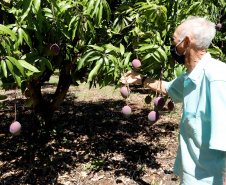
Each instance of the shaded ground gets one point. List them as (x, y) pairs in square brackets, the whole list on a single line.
[(92, 143)]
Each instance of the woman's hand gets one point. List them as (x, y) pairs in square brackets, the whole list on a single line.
[(131, 77)]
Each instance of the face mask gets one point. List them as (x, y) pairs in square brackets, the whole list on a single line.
[(178, 57)]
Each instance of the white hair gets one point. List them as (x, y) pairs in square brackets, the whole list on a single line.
[(200, 29)]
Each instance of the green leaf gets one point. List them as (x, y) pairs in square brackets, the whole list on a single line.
[(10, 67), (66, 33), (107, 9), (148, 46), (90, 7), (77, 2), (5, 30), (112, 58), (214, 51), (72, 21), (28, 66), (20, 37), (122, 49), (39, 13), (18, 80), (127, 59), (156, 56), (7, 46), (30, 56), (27, 38), (147, 56), (4, 68), (96, 7), (17, 64), (163, 53), (110, 47), (91, 27), (97, 47), (83, 59), (94, 58), (65, 7), (106, 61), (100, 13), (26, 9), (47, 63), (36, 4), (193, 8), (95, 70)]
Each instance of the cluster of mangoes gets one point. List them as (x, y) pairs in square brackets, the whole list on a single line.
[(159, 102)]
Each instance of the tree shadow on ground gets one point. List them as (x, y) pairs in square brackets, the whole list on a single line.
[(91, 135)]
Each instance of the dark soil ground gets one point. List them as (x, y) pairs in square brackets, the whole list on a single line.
[(92, 143)]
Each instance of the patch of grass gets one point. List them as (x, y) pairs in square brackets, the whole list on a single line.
[(96, 164), (106, 92), (54, 79)]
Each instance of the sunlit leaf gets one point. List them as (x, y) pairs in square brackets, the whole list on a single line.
[(4, 68), (97, 47), (26, 9), (95, 70), (122, 49), (83, 59), (127, 59), (28, 66), (27, 38), (5, 30), (17, 64)]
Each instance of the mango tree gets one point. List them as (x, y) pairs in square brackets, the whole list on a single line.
[(49, 35), (91, 40)]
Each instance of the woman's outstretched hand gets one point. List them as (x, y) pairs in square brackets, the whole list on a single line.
[(131, 77)]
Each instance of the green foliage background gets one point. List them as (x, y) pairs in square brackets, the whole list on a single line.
[(97, 38)]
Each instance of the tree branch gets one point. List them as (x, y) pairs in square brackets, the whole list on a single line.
[(64, 83), (128, 26)]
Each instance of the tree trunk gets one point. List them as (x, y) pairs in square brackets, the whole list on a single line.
[(45, 109)]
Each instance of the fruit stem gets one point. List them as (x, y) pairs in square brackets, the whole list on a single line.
[(156, 92), (54, 19), (3, 21), (15, 102), (127, 86), (220, 16), (137, 44), (161, 78)]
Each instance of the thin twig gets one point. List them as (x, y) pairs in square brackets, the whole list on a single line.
[(161, 78), (15, 102), (54, 19), (130, 25), (138, 40)]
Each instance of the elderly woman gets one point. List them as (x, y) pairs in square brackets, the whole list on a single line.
[(202, 90)]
